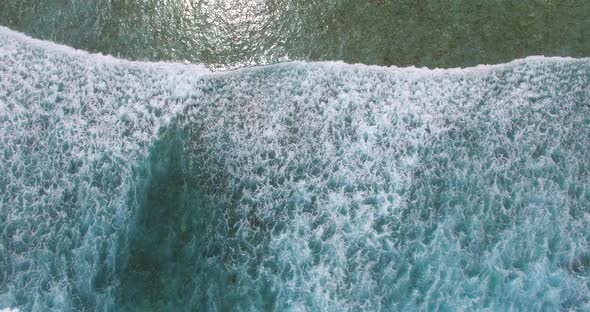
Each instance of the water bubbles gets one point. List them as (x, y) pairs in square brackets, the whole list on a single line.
[(302, 186)]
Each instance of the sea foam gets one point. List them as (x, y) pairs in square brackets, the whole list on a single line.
[(298, 186)]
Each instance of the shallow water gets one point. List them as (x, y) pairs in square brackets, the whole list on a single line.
[(229, 34), (302, 186)]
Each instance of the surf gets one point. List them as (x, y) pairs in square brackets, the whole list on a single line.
[(298, 186)]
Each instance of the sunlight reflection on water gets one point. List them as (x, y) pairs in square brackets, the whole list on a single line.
[(227, 34)]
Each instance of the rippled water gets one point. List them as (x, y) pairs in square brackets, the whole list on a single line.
[(228, 33), (128, 186)]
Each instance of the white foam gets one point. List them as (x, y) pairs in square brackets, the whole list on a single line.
[(344, 161)]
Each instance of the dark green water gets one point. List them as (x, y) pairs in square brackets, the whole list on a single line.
[(229, 34)]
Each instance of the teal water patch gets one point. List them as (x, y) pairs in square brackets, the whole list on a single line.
[(302, 186), (174, 257)]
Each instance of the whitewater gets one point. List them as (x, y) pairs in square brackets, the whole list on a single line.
[(134, 186)]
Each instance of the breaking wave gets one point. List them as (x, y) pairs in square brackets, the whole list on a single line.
[(301, 186)]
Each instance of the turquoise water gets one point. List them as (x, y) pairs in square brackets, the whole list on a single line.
[(129, 186), (227, 34)]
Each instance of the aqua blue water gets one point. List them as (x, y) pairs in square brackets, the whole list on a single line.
[(128, 186)]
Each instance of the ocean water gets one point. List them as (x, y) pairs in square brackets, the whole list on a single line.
[(131, 186), (226, 34)]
